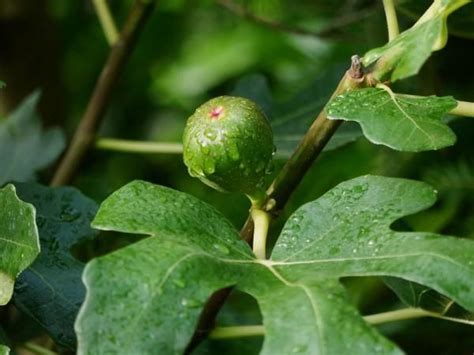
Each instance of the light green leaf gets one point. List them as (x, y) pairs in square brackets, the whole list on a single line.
[(404, 56), (25, 147), (4, 350), (402, 122), (147, 297), (19, 244), (51, 291)]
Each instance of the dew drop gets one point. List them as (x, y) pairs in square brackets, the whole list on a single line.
[(221, 248)]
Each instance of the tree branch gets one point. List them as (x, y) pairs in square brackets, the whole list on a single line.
[(284, 184), (85, 133), (326, 32)]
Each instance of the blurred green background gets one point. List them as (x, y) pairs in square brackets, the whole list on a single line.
[(288, 56)]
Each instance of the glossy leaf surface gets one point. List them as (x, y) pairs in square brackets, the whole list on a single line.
[(402, 122), (19, 243), (50, 290), (160, 284)]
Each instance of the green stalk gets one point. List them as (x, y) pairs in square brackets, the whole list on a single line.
[(129, 146), (106, 20), (261, 221), (379, 318), (237, 332), (38, 349), (463, 108), (392, 21)]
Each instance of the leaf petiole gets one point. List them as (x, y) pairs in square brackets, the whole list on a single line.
[(463, 108), (261, 220), (392, 21)]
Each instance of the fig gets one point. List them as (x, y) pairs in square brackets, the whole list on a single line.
[(228, 144)]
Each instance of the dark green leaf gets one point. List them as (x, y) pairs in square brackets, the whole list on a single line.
[(416, 295), (290, 120), (19, 244), (4, 350), (404, 56), (402, 122), (25, 147), (310, 315), (359, 212), (159, 282), (50, 290), (159, 285)]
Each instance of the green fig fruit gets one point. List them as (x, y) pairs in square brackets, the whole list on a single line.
[(228, 144)]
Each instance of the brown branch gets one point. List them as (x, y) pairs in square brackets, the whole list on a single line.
[(282, 187), (86, 131), (326, 32)]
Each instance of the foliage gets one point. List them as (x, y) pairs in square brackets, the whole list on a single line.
[(349, 247), (353, 240), (21, 137), (19, 239), (402, 122), (50, 290)]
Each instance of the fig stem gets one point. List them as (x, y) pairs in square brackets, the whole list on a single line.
[(261, 221), (463, 108)]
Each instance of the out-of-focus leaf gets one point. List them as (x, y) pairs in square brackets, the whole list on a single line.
[(291, 119), (25, 147), (461, 23), (401, 122), (19, 244), (405, 54), (51, 290), (4, 350), (416, 295)]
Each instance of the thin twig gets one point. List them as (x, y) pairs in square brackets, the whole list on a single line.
[(85, 134), (129, 146), (326, 32), (284, 184), (38, 349), (379, 318), (106, 20), (392, 21)]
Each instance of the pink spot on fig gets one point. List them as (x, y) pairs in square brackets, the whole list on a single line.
[(216, 112)]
